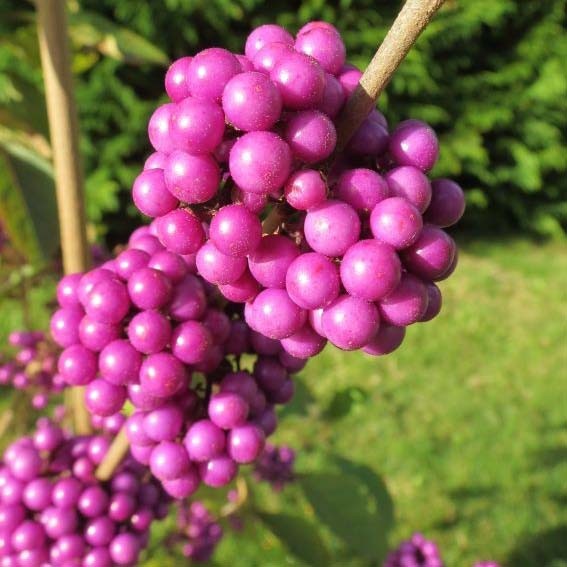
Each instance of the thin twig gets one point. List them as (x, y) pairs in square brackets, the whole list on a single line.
[(63, 126), (407, 27)]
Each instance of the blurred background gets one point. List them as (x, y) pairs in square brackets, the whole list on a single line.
[(466, 424)]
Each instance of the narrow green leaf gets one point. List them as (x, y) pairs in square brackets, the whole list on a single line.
[(89, 29), (350, 510), (299, 536), (27, 202)]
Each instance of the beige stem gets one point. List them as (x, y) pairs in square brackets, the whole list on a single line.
[(411, 21), (63, 126)]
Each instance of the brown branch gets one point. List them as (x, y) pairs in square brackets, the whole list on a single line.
[(411, 21), (63, 126)]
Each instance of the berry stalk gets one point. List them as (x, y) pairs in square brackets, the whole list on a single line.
[(407, 27), (63, 126)]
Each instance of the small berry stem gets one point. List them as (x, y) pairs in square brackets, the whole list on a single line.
[(407, 27), (63, 126), (114, 457)]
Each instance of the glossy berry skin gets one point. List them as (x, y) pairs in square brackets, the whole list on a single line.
[(370, 270), (218, 268), (95, 335), (184, 486), (244, 289), (64, 325), (331, 228), (162, 375), (395, 221), (414, 143), (264, 35), (228, 410), (431, 255), (325, 46), (188, 300), (150, 193), (312, 281), (108, 301), (196, 126), (209, 72), (67, 290), (245, 443), (252, 102), (164, 423), (66, 492), (370, 140), (204, 441), (191, 178), (180, 231), (125, 549), (149, 289), (93, 502), (362, 189), (266, 58), (350, 322), (260, 162), (304, 344), (190, 342), (406, 304), (77, 365), (410, 183), (271, 259), (100, 531), (149, 331), (447, 203), (434, 302), (169, 461), (386, 340), (176, 79), (305, 189), (235, 231), (37, 494), (311, 135), (300, 80), (103, 398), (276, 315), (218, 472), (171, 264), (119, 362), (349, 78), (129, 261), (333, 97), (159, 128)]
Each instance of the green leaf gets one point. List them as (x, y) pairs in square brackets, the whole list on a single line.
[(89, 29), (299, 536), (27, 201), (354, 506), (344, 401)]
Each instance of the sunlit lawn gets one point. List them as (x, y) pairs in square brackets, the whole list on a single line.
[(467, 422)]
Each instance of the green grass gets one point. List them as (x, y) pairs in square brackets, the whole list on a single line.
[(467, 422)]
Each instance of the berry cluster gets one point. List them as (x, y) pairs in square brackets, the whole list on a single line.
[(275, 466), (33, 367), (198, 530), (357, 249), (415, 552), (53, 510), (144, 328)]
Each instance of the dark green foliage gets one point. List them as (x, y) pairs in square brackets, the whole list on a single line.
[(488, 75)]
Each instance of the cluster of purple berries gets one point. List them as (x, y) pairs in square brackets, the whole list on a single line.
[(421, 552), (33, 367), (275, 466), (198, 531), (358, 250), (415, 552), (142, 328), (53, 511)]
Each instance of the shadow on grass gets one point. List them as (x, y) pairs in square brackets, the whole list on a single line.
[(546, 549), (551, 457)]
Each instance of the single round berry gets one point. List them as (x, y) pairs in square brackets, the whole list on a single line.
[(325, 46), (265, 35), (251, 102), (311, 135), (119, 362), (181, 231), (447, 203), (386, 340), (228, 410), (151, 195), (204, 441), (362, 189), (276, 315), (235, 231), (414, 143), (305, 189), (270, 261), (176, 79), (406, 304), (245, 443), (396, 222)]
